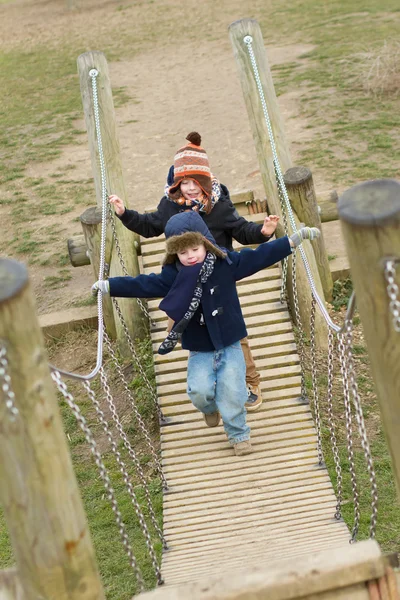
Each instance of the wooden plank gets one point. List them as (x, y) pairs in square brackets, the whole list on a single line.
[(275, 442), (187, 498), (317, 492), (228, 477), (259, 549), (310, 575), (274, 460), (306, 513)]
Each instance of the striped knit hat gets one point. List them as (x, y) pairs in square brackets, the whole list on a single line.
[(191, 162)]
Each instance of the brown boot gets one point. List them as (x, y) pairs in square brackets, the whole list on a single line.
[(243, 448), (254, 398), (213, 419)]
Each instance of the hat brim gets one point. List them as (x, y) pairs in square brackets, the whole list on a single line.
[(190, 239)]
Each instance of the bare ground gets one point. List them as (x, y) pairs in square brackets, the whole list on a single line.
[(177, 86)]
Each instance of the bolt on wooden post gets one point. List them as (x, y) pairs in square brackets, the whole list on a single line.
[(238, 31), (128, 241), (370, 216), (39, 493)]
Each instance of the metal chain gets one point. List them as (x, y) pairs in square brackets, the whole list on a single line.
[(286, 228), (5, 380), (299, 325), (139, 364), (248, 40), (349, 435), (103, 474), (315, 383), (335, 451), (393, 292), (362, 429), (126, 478), (121, 260), (93, 73), (137, 414), (132, 453)]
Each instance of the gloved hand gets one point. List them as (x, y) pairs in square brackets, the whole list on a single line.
[(305, 233), (102, 285)]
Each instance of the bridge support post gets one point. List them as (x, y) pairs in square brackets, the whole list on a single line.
[(300, 188), (370, 217), (128, 241), (38, 492), (238, 32)]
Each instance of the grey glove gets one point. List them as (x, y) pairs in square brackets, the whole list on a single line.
[(305, 233), (102, 285)]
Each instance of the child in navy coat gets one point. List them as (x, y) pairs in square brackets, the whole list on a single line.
[(198, 287)]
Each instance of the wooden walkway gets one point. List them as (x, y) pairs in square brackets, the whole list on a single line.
[(224, 512)]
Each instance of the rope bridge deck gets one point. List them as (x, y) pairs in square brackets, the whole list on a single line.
[(224, 512)]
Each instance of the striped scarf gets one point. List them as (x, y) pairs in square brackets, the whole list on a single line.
[(201, 204), (176, 332)]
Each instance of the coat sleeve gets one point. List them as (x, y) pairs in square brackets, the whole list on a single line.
[(248, 261), (144, 286), (244, 232), (148, 224)]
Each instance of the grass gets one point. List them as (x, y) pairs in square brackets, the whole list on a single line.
[(117, 575)]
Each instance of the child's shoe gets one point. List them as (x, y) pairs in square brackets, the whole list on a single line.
[(213, 419), (243, 448), (254, 398)]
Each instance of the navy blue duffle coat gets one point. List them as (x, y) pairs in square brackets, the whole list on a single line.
[(222, 323)]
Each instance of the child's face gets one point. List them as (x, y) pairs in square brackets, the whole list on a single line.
[(190, 189), (193, 255)]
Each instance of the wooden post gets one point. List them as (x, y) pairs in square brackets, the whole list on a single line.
[(39, 492), (238, 31), (128, 241), (300, 188), (10, 586), (327, 206), (370, 218), (78, 251), (91, 225)]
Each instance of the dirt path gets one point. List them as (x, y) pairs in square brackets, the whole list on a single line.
[(176, 88)]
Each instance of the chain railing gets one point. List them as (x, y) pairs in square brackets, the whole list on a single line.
[(131, 452), (5, 381), (137, 414), (103, 474), (345, 352), (393, 290), (127, 481)]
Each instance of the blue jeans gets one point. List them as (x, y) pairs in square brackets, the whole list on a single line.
[(216, 381)]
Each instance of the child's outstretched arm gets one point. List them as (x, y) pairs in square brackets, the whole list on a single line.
[(142, 286), (250, 261), (148, 225)]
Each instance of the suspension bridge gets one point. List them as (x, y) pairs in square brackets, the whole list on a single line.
[(241, 521)]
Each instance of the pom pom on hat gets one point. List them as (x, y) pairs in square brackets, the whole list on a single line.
[(194, 138)]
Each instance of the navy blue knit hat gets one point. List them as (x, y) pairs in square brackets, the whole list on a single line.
[(187, 229)]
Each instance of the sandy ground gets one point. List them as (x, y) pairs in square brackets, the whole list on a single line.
[(176, 88)]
